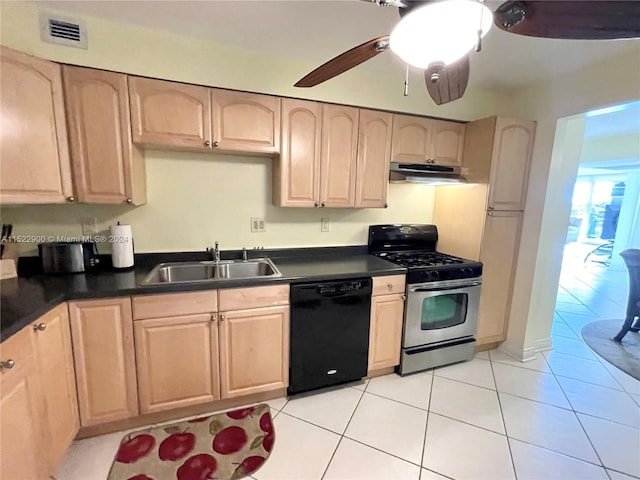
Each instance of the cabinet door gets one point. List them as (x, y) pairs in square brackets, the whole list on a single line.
[(297, 173), (107, 168), (447, 140), (254, 351), (338, 156), (21, 413), (499, 255), (177, 361), (34, 154), (245, 122), (374, 153), (411, 139), (510, 163), (54, 358), (170, 114), (102, 338), (385, 335)]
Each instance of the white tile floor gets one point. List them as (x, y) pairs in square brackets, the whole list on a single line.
[(566, 415)]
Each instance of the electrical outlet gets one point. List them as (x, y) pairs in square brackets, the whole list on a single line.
[(89, 226), (325, 224), (257, 224)]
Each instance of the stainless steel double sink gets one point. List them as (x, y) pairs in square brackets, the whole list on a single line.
[(211, 271)]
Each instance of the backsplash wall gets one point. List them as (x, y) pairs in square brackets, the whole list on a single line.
[(195, 199)]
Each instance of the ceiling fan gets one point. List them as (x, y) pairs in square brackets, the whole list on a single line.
[(438, 35)]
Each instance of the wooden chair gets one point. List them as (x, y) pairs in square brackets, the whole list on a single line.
[(631, 259)]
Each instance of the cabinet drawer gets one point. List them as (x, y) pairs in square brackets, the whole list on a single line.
[(174, 304), (253, 297), (18, 348), (389, 284)]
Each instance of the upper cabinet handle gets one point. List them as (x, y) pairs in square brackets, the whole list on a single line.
[(7, 364), (207, 143), (41, 327), (216, 143)]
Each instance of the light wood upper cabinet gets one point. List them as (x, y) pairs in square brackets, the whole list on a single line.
[(254, 350), (54, 358), (102, 337), (21, 412), (245, 122), (499, 255), (170, 114), (497, 152), (374, 153), (338, 156), (424, 140), (107, 167), (510, 164), (34, 154), (177, 361), (297, 172), (447, 141), (385, 334)]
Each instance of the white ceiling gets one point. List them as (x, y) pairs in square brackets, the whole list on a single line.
[(317, 30)]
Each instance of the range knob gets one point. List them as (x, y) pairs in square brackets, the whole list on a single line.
[(435, 275)]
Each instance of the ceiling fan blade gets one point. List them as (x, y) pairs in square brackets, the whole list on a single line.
[(574, 19), (345, 61), (451, 81)]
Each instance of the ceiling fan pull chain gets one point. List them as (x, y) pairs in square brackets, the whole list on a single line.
[(479, 41), (406, 82)]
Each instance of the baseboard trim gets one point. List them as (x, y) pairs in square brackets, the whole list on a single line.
[(529, 353)]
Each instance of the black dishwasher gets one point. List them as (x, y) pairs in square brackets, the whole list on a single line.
[(329, 333)]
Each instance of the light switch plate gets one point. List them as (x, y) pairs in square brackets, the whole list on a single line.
[(325, 224), (258, 224)]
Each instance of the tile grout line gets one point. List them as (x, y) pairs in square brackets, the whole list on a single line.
[(344, 431), (504, 423)]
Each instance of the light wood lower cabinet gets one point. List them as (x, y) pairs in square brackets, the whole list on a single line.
[(102, 337), (387, 314), (177, 361), (499, 255), (254, 350), (23, 439), (54, 359)]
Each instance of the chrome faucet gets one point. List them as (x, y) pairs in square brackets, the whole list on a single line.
[(215, 252)]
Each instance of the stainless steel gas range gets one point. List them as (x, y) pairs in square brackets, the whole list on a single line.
[(443, 296)]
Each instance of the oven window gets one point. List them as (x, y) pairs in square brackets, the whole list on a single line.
[(444, 310)]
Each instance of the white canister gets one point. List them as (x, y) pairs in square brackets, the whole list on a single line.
[(121, 239)]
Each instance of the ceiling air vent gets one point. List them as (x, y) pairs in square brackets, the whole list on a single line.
[(62, 30)]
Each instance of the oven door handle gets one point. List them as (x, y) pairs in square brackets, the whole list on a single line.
[(441, 289)]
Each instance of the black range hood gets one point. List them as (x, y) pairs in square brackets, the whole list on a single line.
[(424, 173)]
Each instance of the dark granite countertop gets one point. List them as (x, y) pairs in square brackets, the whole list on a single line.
[(32, 294)]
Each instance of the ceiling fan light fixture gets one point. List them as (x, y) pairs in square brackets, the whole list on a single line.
[(442, 31)]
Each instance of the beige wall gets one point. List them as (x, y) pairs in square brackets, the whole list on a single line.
[(553, 174), (195, 199)]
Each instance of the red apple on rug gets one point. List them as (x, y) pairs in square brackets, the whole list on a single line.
[(267, 441), (241, 413), (265, 423), (198, 467), (230, 440), (176, 446), (135, 448), (251, 464)]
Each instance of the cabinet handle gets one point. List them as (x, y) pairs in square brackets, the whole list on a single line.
[(322, 204), (404, 297), (316, 204), (207, 143), (214, 317), (8, 364), (490, 214), (129, 201), (216, 143), (71, 199), (222, 318), (386, 205), (390, 286), (491, 207), (41, 327)]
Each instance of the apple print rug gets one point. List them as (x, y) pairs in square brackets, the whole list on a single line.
[(225, 446)]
